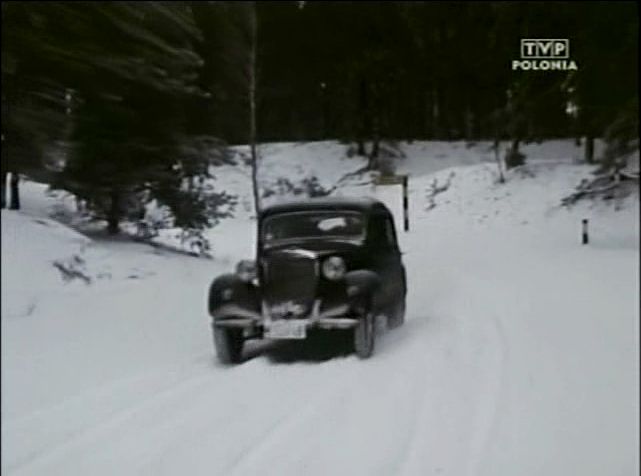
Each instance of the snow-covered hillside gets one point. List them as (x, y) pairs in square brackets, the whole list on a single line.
[(519, 355)]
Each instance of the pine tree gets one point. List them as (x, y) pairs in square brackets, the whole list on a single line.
[(134, 78)]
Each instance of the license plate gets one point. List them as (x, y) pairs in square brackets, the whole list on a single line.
[(286, 330)]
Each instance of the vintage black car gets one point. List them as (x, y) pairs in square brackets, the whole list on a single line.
[(330, 263)]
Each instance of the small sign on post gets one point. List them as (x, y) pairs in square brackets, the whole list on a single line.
[(584, 237), (399, 180)]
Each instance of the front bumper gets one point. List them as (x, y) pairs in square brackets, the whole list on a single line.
[(232, 316)]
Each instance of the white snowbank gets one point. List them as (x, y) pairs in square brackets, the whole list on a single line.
[(30, 246)]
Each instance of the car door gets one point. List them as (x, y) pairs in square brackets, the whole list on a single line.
[(394, 262), (386, 259)]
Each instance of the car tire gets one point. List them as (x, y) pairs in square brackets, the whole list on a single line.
[(365, 336), (228, 344), (396, 317)]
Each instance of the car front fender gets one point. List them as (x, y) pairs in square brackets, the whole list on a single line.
[(230, 297), (362, 284)]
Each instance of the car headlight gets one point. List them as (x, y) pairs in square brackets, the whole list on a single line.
[(334, 268), (246, 270)]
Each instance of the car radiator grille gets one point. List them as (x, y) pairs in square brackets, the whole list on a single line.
[(290, 284)]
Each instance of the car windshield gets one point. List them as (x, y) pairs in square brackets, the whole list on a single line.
[(302, 225)]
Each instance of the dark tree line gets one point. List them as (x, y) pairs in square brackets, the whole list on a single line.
[(127, 102), (442, 70)]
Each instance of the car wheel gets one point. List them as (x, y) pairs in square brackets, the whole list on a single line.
[(396, 317), (364, 336), (228, 344)]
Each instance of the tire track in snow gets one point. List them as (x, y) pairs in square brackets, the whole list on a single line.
[(111, 399), (420, 453), (119, 418), (456, 443), (489, 416), (410, 446), (336, 403), (278, 432)]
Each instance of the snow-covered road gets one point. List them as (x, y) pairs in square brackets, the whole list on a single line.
[(170, 407), (519, 355)]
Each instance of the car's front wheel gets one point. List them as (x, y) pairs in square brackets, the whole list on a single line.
[(365, 336), (228, 344)]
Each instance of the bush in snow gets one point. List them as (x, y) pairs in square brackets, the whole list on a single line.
[(313, 188), (434, 189), (617, 176), (609, 187), (282, 187), (72, 268), (118, 182), (309, 187), (195, 242)]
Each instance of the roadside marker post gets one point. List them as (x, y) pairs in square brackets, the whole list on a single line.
[(406, 217), (584, 238)]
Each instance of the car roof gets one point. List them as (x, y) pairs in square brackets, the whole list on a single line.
[(360, 204)]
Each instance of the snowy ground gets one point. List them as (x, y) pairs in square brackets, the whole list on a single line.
[(519, 355)]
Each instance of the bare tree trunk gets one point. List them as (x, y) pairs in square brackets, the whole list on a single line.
[(325, 107), (113, 216), (531, 132), (252, 107), (513, 157), (80, 206), (589, 149), (3, 189), (378, 122), (426, 115), (376, 140), (497, 156), (469, 124), (14, 203), (436, 115), (363, 116)]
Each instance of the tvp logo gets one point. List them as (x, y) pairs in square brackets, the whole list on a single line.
[(544, 55), (545, 49)]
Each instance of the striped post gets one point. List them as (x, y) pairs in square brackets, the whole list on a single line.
[(584, 238), (406, 218)]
